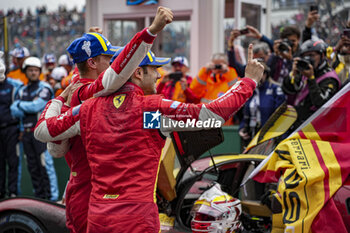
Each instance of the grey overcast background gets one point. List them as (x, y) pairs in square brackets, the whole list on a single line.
[(32, 4)]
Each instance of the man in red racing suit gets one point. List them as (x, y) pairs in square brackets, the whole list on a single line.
[(124, 157), (79, 186)]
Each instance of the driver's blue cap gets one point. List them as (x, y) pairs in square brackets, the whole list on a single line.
[(90, 45), (149, 60)]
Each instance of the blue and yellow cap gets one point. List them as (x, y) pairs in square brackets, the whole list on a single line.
[(90, 45), (149, 60), (20, 52)]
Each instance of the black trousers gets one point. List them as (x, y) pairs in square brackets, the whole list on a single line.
[(33, 150), (8, 155)]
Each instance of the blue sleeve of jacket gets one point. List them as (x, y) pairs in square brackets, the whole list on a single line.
[(16, 86), (16, 83), (246, 114), (242, 123), (16, 112), (268, 41), (280, 97), (233, 63), (38, 104)]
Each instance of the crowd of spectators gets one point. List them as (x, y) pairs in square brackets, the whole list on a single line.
[(332, 20), (41, 31)]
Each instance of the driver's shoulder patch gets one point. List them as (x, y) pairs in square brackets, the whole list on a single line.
[(118, 100)]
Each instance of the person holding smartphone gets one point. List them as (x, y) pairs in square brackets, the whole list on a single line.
[(261, 49), (174, 86), (312, 17)]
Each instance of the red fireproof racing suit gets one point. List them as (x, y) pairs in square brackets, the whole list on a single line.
[(124, 157), (79, 186)]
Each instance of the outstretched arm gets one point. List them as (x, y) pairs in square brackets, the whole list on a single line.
[(221, 108), (232, 56), (129, 59)]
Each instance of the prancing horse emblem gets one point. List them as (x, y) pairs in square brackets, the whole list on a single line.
[(118, 100)]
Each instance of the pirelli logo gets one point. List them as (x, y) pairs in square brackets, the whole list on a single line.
[(110, 196)]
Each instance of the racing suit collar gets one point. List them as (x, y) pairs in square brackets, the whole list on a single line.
[(131, 87), (86, 79)]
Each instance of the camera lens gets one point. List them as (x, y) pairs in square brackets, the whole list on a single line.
[(176, 76), (283, 47), (218, 66), (303, 64)]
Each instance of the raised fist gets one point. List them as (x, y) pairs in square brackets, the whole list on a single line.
[(163, 17)]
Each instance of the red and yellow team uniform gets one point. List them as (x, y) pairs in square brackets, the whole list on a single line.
[(79, 187), (124, 157)]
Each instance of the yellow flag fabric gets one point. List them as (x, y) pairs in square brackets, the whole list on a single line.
[(310, 166)]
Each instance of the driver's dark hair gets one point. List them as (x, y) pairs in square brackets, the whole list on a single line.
[(144, 68), (288, 31)]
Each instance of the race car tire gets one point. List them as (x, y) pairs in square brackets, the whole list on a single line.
[(16, 221)]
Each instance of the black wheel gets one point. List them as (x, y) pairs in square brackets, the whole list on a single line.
[(19, 222)]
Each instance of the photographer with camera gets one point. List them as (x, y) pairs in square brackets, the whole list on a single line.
[(312, 79), (280, 62), (286, 48), (174, 85), (214, 79)]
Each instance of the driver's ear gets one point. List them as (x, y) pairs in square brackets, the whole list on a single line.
[(91, 63), (138, 73)]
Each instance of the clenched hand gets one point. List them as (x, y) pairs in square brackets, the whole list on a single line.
[(163, 17)]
